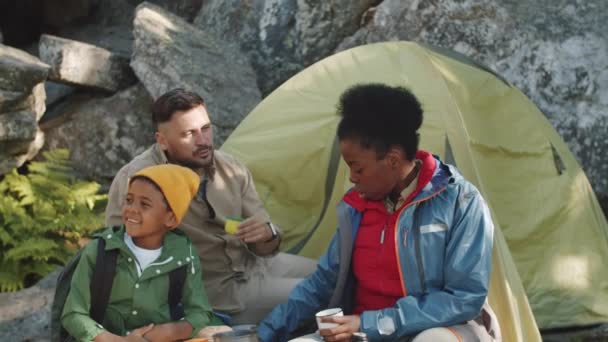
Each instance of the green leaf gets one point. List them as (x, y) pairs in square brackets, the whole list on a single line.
[(35, 248), (42, 212)]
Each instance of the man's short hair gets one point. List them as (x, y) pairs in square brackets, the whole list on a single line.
[(379, 117), (175, 100)]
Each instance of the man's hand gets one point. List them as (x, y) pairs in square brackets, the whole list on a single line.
[(344, 331), (254, 230)]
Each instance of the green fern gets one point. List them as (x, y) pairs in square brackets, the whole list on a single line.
[(43, 215)]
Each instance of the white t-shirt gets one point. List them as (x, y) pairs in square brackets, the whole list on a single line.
[(144, 257)]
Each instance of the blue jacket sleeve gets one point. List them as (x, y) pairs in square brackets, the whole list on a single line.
[(467, 264), (308, 297)]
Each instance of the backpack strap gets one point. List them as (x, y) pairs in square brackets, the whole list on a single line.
[(102, 280), (177, 279)]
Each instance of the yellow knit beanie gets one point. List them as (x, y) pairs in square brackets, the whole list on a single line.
[(178, 184)]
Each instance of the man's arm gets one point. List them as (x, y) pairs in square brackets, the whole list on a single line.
[(255, 230), (116, 196)]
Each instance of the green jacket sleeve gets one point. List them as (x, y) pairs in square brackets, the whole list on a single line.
[(75, 317), (197, 310)]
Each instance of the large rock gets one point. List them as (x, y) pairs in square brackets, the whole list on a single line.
[(56, 92), (83, 64), (25, 315), (22, 100), (20, 137), (18, 126), (170, 53), (110, 24), (20, 71), (13, 154), (555, 51), (103, 134), (282, 36)]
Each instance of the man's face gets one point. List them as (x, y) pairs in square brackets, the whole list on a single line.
[(187, 138), (374, 179)]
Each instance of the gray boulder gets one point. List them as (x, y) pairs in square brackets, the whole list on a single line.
[(554, 51), (103, 134), (25, 314), (19, 125), (20, 137), (110, 24), (56, 92), (20, 71), (22, 103), (282, 36), (13, 154), (83, 64), (169, 52)]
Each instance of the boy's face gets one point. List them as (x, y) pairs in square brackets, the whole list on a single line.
[(146, 215)]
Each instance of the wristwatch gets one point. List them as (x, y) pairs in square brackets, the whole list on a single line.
[(274, 230)]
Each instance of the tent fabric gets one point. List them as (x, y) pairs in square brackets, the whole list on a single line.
[(549, 225)]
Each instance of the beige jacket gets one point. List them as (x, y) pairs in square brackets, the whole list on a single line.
[(226, 261)]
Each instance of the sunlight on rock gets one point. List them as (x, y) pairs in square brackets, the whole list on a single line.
[(572, 271), (154, 19)]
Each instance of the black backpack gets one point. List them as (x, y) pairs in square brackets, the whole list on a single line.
[(101, 286)]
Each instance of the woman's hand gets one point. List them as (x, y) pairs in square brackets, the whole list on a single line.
[(344, 331)]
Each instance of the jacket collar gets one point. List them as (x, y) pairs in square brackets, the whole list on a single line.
[(434, 177), (175, 243)]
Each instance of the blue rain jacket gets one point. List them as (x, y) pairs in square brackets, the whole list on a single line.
[(444, 246)]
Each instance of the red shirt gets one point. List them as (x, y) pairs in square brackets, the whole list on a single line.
[(375, 266)]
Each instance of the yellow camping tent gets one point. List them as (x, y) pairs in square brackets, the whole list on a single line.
[(539, 196)]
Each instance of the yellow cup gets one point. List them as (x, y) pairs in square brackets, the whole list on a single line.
[(232, 224)]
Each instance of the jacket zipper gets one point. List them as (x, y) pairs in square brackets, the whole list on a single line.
[(417, 247), (416, 241)]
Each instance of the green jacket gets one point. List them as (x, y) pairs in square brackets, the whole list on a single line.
[(136, 301)]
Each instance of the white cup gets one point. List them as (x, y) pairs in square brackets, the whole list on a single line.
[(328, 313)]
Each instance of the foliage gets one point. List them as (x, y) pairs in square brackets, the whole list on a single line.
[(43, 216)]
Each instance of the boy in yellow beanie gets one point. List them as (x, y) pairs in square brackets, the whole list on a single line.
[(149, 249)]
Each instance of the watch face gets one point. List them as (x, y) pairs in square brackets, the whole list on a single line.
[(273, 229)]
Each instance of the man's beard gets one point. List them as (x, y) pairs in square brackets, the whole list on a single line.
[(194, 163)]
